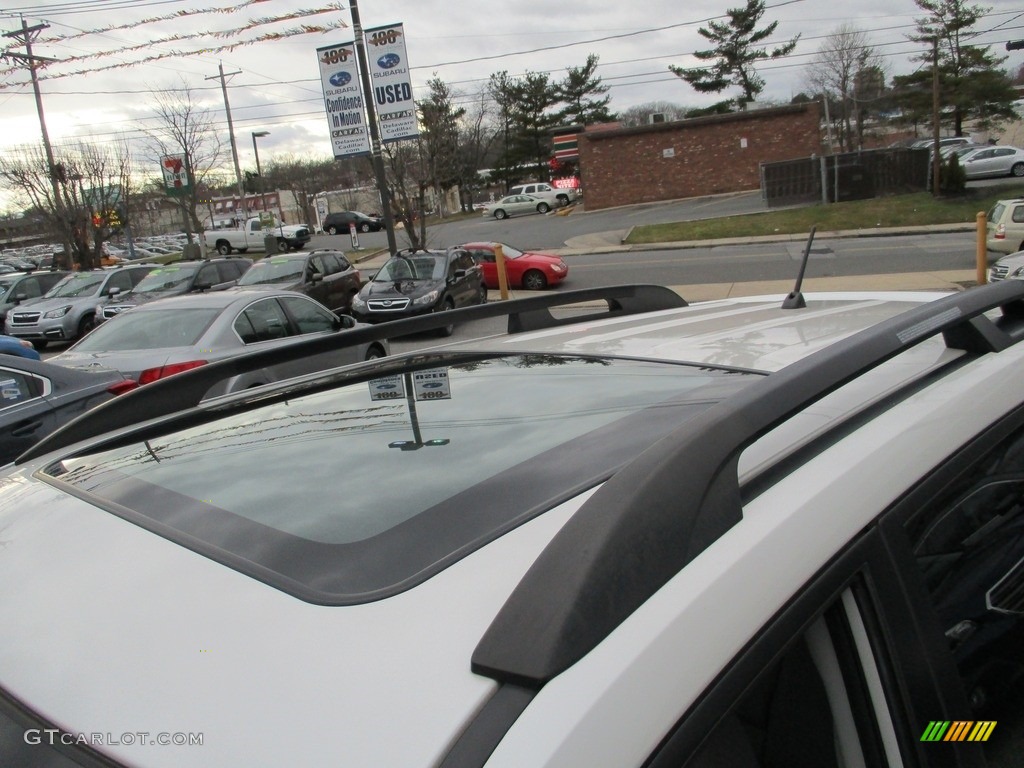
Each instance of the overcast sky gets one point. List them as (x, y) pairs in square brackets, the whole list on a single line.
[(277, 87)]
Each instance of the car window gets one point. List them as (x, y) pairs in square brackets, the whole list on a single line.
[(483, 256), (1018, 214), (308, 317), (276, 269), (78, 284), (165, 279), (30, 287), (262, 321), (968, 544), (208, 275), (316, 264), (229, 270), (17, 387), (153, 329), (333, 264)]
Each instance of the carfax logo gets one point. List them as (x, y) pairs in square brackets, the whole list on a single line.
[(958, 730)]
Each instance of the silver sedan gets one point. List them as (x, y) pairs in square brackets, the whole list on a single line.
[(172, 335), (516, 204), (993, 161)]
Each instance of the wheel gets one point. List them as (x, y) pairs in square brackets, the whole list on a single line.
[(500, 214), (563, 200), (282, 245), (1017, 170), (39, 345), (447, 330), (483, 293), (534, 280), (374, 352), (364, 227), (223, 247), (543, 208), (87, 324), (332, 230)]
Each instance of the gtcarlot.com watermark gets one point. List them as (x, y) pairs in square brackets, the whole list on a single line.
[(53, 736)]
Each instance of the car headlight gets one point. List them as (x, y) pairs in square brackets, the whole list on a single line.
[(1017, 272), (57, 312), (357, 301), (427, 298), (558, 267)]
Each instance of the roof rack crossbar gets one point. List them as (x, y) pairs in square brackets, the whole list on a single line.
[(663, 509), (186, 390)]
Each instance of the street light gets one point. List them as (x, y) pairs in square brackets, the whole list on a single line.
[(259, 172)]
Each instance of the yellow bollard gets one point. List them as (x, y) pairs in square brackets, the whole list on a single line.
[(499, 263), (981, 257)]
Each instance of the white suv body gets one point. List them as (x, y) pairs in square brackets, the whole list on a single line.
[(1005, 226), (719, 534), (556, 198)]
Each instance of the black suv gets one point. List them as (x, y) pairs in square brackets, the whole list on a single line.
[(174, 279), (324, 275), (338, 222), (419, 282)]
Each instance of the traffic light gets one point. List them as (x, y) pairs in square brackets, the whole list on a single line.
[(1015, 45)]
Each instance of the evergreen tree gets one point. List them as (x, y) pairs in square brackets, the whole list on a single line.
[(734, 54), (582, 93)]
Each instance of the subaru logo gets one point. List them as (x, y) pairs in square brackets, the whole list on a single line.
[(386, 302), (339, 79), (389, 61)]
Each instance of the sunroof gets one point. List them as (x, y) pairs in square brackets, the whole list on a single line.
[(352, 493)]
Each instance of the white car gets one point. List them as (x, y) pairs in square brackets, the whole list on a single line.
[(514, 205), (768, 531)]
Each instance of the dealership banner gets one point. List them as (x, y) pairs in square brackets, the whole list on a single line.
[(343, 99), (391, 82)]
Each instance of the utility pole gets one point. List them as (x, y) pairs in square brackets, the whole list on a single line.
[(25, 36), (936, 113), (231, 133), (375, 152)]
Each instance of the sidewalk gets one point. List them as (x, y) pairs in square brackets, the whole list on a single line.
[(612, 242)]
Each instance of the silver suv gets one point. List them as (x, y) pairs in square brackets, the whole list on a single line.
[(68, 310), (1006, 226), (627, 532)]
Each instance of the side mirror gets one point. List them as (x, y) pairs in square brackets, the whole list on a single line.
[(459, 274), (344, 322), (200, 287), (18, 298), (112, 292), (315, 277)]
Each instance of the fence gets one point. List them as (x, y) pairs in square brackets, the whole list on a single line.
[(847, 176)]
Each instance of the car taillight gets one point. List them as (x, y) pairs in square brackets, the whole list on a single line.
[(1000, 232), (152, 374), (123, 386)]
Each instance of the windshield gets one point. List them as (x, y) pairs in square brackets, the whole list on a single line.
[(274, 270), (78, 284), (156, 329), (5, 288), (419, 267), (509, 252), (166, 279)]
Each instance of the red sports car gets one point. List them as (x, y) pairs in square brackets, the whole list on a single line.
[(532, 271)]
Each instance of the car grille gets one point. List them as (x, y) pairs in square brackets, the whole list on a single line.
[(387, 305), (999, 272), (25, 318), (109, 312)]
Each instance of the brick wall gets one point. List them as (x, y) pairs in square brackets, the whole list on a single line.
[(692, 158)]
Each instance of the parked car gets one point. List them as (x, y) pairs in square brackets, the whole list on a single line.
[(176, 334), (514, 205), (420, 282), (324, 275), (338, 222), (176, 279), (17, 347), (553, 196), (531, 270), (1005, 226), (736, 533), (37, 397), (17, 287), (68, 310), (993, 161)]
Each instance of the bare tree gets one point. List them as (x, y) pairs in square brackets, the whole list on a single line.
[(406, 180), (439, 138), (842, 70), (93, 183), (186, 129), (478, 133)]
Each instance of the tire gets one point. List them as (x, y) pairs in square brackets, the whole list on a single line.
[(332, 230), (563, 200), (282, 245), (223, 247), (534, 280), (374, 353), (85, 325), (500, 214), (447, 330), (543, 208), (364, 227), (1017, 170)]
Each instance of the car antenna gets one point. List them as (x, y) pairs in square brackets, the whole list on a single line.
[(795, 299)]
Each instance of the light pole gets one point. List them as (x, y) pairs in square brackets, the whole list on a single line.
[(259, 171)]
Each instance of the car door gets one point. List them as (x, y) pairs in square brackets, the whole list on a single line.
[(981, 163), (315, 282), (25, 414), (342, 281), (486, 260), (458, 277)]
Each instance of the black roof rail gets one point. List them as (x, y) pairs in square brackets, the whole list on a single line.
[(663, 509), (186, 390)]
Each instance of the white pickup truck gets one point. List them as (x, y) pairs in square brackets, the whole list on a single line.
[(555, 197), (252, 236)]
